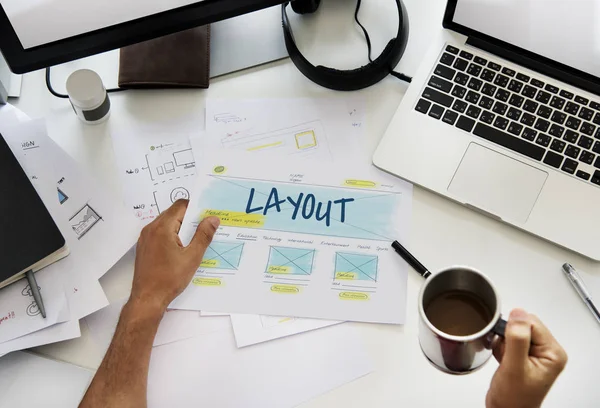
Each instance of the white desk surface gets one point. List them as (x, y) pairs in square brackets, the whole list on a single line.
[(526, 270)]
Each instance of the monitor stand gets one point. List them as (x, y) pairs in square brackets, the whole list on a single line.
[(246, 41), (236, 44)]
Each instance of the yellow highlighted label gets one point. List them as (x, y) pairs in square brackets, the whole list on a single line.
[(278, 269), (360, 183), (354, 296), (236, 219), (210, 263), (345, 275), (265, 146), (290, 289), (207, 282)]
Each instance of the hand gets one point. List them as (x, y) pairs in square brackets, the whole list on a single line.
[(530, 361), (163, 266)]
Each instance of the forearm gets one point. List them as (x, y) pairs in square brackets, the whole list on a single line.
[(121, 379)]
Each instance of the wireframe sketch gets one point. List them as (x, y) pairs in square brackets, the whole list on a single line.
[(62, 197), (83, 220), (184, 158), (223, 255), (305, 138), (290, 261), (355, 267), (166, 163), (179, 193), (272, 321)]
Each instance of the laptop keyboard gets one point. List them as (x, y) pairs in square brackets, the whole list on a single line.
[(516, 111)]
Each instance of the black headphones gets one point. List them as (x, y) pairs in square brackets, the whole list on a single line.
[(351, 80)]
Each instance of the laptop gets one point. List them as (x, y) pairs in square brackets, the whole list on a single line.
[(504, 117)]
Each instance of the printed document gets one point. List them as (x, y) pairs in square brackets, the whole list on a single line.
[(299, 239)]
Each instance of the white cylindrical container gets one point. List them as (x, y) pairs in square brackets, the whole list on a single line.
[(88, 96)]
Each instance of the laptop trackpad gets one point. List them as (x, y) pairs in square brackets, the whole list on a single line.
[(497, 183)]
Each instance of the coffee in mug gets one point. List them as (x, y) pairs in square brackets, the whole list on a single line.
[(459, 312)]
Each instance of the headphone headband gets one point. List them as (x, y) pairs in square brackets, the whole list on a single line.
[(359, 78)]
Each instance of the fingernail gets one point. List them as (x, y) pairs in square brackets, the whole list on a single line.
[(519, 315), (214, 221)]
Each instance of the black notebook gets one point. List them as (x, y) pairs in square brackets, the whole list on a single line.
[(29, 238)]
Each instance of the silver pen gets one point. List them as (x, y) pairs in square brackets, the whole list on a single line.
[(581, 289)]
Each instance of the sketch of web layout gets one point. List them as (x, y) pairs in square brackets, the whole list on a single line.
[(170, 162), (306, 139), (156, 171), (304, 243), (172, 169)]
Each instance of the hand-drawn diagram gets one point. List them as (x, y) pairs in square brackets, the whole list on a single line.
[(290, 261), (305, 138), (179, 193), (84, 220), (27, 291), (32, 309), (171, 169), (272, 321), (352, 267), (62, 197), (170, 162), (223, 255)]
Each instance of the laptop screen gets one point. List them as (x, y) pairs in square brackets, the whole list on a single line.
[(566, 31)]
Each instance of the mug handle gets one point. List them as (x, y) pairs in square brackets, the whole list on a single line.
[(500, 327)]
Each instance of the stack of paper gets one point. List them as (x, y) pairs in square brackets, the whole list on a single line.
[(303, 245), (96, 226)]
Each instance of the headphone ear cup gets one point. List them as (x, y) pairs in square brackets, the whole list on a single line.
[(305, 6)]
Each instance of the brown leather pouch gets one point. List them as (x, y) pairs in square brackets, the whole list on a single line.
[(180, 60)]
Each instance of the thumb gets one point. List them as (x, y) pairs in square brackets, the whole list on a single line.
[(204, 234), (517, 339)]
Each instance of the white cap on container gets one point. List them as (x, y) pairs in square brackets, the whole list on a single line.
[(85, 89)]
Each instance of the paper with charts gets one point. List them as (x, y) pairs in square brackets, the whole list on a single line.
[(299, 239)]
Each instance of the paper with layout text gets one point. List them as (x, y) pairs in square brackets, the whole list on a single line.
[(252, 329), (299, 239)]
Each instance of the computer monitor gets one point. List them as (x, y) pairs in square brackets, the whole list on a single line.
[(36, 34)]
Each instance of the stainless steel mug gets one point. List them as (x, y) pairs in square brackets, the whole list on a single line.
[(459, 354)]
